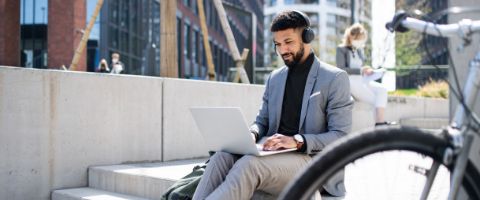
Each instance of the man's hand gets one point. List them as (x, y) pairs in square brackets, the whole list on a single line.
[(279, 141), (367, 71)]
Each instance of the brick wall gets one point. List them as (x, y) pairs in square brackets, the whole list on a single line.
[(66, 19), (10, 33)]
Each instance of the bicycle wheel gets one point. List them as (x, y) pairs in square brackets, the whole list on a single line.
[(396, 146)]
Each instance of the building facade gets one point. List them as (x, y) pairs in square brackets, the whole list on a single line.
[(246, 21), (328, 18), (49, 33)]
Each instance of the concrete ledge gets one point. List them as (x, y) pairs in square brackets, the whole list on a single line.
[(426, 123), (54, 124), (400, 107), (90, 194)]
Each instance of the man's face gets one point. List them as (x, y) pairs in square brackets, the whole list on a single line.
[(289, 45)]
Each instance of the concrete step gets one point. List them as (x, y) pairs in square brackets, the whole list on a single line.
[(150, 180), (425, 123), (90, 194), (146, 180)]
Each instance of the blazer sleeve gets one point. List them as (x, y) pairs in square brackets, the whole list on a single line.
[(341, 61), (338, 115), (260, 125)]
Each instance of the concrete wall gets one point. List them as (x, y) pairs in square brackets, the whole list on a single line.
[(54, 124), (181, 136)]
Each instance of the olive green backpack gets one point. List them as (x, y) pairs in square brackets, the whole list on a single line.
[(184, 188)]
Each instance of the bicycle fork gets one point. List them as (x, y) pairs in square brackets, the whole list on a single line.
[(463, 140), (460, 137)]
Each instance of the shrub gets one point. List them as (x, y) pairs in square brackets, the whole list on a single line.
[(434, 89)]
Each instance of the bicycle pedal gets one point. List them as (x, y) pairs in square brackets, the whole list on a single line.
[(419, 170)]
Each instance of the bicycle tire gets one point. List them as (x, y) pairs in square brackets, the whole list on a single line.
[(348, 149)]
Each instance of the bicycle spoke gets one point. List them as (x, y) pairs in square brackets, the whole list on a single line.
[(431, 174)]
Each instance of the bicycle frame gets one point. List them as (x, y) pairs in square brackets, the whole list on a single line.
[(472, 86), (461, 137)]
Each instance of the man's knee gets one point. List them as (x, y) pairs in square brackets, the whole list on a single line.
[(248, 162), (222, 157)]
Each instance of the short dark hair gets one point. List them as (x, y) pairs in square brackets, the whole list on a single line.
[(288, 19)]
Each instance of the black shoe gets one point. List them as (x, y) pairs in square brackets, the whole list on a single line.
[(385, 123)]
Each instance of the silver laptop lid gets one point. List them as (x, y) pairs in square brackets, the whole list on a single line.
[(224, 129)]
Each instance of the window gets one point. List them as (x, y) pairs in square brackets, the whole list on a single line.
[(34, 12), (194, 7), (179, 49), (187, 3), (345, 4), (186, 42), (288, 2), (272, 2), (187, 50)]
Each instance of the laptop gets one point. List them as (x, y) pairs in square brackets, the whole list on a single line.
[(225, 129)]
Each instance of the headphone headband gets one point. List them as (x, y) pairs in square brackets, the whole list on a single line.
[(304, 17), (307, 35)]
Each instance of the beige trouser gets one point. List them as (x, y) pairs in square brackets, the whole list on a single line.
[(233, 177)]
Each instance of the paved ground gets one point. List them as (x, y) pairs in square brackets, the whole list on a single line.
[(388, 176)]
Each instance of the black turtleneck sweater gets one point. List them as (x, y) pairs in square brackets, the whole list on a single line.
[(293, 96)]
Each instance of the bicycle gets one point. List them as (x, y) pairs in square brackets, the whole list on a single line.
[(441, 157)]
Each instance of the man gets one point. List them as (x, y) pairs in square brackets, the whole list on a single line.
[(117, 65), (306, 104)]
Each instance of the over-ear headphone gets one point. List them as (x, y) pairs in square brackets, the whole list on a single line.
[(307, 35)]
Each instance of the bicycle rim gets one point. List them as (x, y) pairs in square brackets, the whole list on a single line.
[(355, 148)]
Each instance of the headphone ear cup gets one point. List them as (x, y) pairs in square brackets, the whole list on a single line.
[(308, 35)]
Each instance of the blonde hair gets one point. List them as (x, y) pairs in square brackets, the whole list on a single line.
[(115, 55), (355, 31)]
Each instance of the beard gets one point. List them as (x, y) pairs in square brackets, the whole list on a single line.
[(296, 58)]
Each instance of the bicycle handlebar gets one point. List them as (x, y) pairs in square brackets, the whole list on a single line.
[(401, 22)]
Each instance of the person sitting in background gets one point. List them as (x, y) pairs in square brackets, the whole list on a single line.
[(350, 57), (117, 65), (103, 67)]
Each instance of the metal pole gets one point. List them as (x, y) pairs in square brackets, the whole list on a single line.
[(352, 11)]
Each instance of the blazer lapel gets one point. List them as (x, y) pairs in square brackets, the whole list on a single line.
[(312, 77), (279, 96)]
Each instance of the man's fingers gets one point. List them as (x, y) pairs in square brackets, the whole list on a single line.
[(276, 141), (271, 142), (278, 146)]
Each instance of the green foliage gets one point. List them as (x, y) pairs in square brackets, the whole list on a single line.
[(404, 92), (434, 89), (406, 51)]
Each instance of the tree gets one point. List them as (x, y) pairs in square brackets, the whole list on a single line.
[(407, 45)]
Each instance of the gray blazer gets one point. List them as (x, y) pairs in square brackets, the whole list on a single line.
[(343, 59), (326, 110)]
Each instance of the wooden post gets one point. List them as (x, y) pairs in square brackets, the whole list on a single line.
[(86, 35), (232, 45), (240, 67), (168, 39), (208, 52)]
